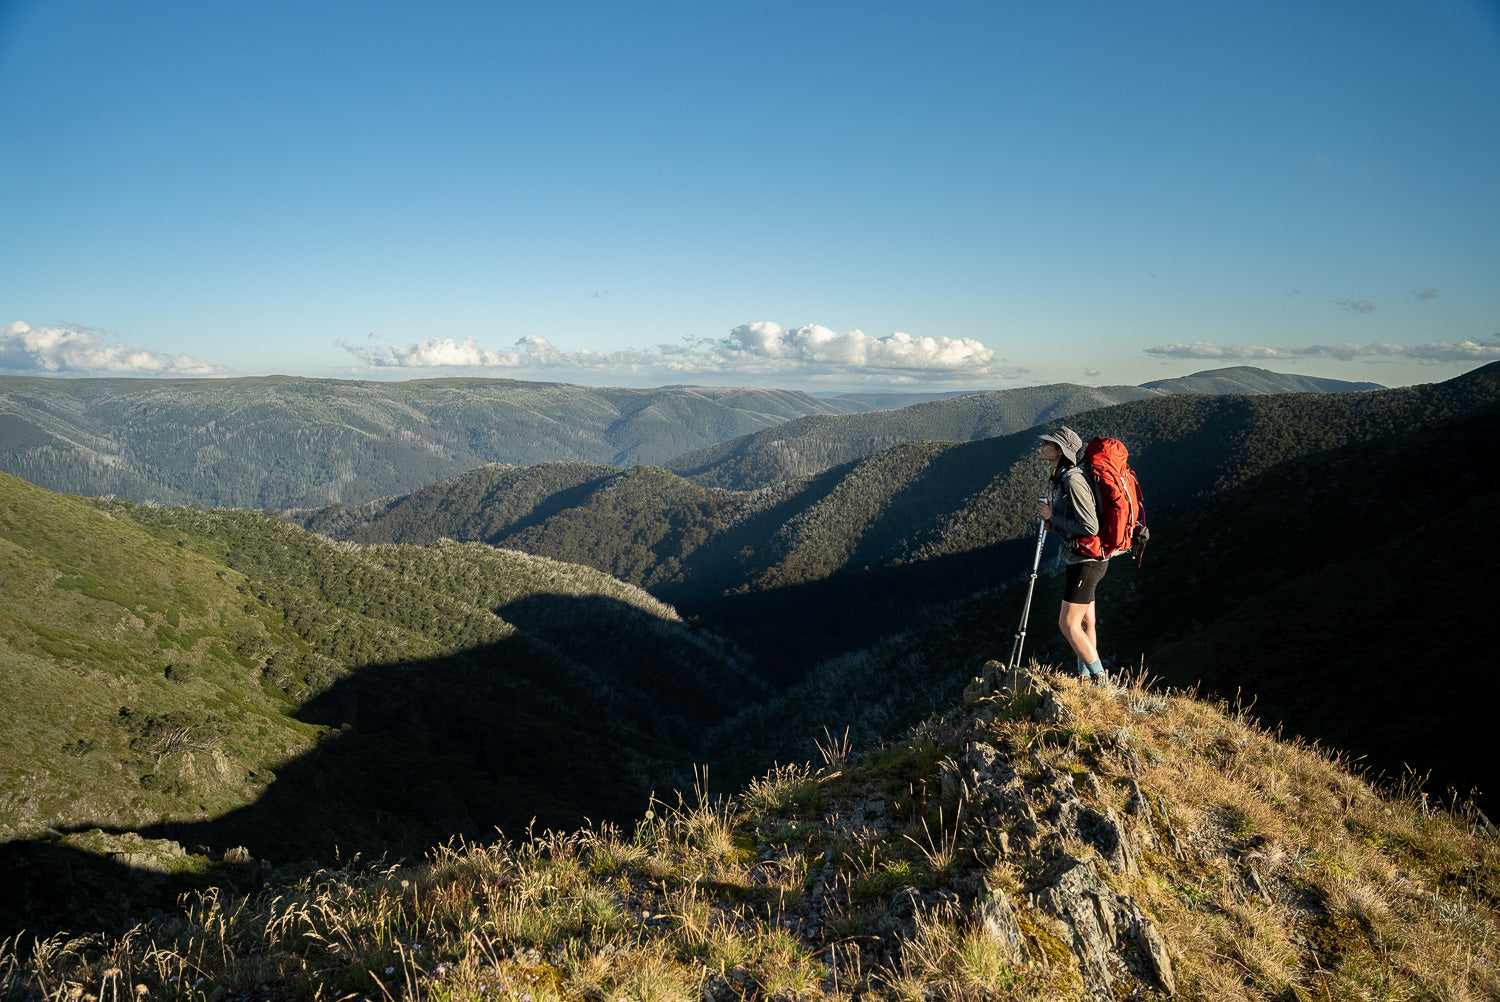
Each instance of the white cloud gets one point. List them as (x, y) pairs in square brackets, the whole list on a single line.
[(1464, 351), (530, 352), (433, 352), (1438, 351), (753, 349), (1357, 305), (757, 344), (58, 350)]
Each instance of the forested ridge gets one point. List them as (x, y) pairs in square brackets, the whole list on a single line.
[(281, 441), (812, 444), (816, 443), (920, 502), (1252, 379), (1317, 591)]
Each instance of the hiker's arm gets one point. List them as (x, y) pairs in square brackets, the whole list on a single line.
[(1077, 517)]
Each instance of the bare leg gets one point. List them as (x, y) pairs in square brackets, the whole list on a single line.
[(1077, 623), (1090, 627)]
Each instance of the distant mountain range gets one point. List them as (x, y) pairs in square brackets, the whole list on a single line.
[(280, 441), (223, 677), (874, 545), (283, 442), (810, 445), (1250, 379), (937, 516)]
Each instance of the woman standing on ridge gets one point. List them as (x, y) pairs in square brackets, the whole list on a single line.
[(1070, 511)]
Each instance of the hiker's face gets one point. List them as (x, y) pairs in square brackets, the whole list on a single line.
[(1050, 452)]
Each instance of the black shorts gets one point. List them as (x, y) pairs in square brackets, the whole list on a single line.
[(1082, 579)]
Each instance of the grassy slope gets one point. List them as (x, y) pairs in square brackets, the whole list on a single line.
[(222, 677), (96, 610), (1267, 869)]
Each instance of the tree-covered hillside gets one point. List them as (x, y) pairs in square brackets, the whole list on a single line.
[(923, 521), (282, 442), (1318, 592), (810, 445), (1250, 379), (223, 677)]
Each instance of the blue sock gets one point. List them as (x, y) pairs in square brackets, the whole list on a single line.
[(1097, 668), (1083, 668)]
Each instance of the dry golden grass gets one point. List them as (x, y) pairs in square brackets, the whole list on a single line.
[(1271, 870)]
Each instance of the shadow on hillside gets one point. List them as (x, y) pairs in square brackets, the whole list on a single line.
[(414, 753), (679, 680), (792, 628), (1339, 597), (1379, 658)]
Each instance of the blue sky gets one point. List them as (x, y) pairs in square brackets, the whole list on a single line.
[(812, 195)]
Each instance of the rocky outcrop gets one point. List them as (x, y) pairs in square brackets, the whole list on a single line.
[(1110, 934), (996, 794), (1037, 808)]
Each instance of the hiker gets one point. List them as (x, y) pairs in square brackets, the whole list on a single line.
[(1070, 512)]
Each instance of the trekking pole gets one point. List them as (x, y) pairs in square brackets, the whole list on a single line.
[(1041, 538)]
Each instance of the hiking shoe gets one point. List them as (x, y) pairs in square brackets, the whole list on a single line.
[(1101, 678)]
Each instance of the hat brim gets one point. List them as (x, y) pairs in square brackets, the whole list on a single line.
[(1066, 449)]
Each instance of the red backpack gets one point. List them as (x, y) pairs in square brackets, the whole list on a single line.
[(1117, 496)]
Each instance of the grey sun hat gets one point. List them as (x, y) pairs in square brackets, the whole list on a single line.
[(1067, 440)]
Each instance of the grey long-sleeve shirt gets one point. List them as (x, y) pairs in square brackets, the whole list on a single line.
[(1073, 511)]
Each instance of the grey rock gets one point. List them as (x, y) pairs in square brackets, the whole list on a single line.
[(987, 683), (997, 791), (1050, 710), (994, 914), (1102, 830), (1140, 812), (1108, 932)]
